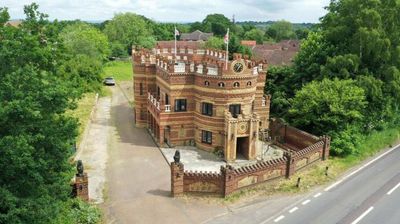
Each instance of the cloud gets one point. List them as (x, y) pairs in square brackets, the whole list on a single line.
[(176, 10)]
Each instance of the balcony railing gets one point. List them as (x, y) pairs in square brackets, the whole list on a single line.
[(153, 100)]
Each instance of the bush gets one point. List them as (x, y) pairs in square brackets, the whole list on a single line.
[(345, 142), (76, 211)]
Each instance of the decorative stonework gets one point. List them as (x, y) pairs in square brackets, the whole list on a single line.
[(247, 181), (203, 187), (272, 174), (243, 128)]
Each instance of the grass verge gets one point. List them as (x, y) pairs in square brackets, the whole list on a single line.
[(120, 70), (315, 176), (82, 113)]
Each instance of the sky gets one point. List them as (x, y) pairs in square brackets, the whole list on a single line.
[(298, 11)]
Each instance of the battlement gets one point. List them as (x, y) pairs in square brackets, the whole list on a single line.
[(201, 174), (195, 61), (260, 166)]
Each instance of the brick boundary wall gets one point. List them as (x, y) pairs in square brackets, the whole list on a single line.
[(230, 180)]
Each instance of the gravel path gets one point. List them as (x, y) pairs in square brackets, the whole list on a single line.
[(93, 149)]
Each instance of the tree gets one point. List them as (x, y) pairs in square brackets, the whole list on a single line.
[(83, 72), (217, 24), (281, 30), (35, 134), (236, 47), (129, 29), (364, 28), (328, 106), (302, 33), (4, 16), (83, 39), (255, 34), (196, 26), (314, 52), (215, 43), (279, 86), (342, 66)]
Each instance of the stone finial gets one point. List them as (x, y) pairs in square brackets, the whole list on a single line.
[(177, 156)]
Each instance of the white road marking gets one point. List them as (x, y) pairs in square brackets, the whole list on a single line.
[(359, 169), (393, 189), (293, 209), (317, 195), (279, 218), (306, 202), (362, 215)]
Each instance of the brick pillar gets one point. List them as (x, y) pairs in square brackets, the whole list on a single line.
[(177, 170), (81, 187), (290, 164), (327, 146), (228, 176)]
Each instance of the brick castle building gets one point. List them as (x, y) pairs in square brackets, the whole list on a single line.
[(197, 99)]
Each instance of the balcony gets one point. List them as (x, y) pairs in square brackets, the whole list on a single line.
[(157, 106)]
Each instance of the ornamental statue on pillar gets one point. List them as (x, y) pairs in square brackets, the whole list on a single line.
[(81, 183)]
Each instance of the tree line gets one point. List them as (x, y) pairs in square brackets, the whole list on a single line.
[(345, 81), (42, 75)]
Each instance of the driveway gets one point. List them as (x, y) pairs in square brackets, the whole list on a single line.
[(138, 177)]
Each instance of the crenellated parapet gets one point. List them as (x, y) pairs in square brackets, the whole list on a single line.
[(208, 62)]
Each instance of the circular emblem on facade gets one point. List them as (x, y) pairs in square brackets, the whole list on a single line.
[(243, 128), (238, 67)]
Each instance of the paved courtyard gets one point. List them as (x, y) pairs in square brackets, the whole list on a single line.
[(200, 160)]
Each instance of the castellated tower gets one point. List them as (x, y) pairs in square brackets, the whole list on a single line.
[(194, 97)]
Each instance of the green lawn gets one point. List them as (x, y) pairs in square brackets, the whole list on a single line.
[(120, 70)]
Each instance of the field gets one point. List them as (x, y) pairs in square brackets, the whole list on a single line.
[(120, 70)]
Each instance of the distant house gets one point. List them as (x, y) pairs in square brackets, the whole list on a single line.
[(196, 36), (278, 54), (14, 23)]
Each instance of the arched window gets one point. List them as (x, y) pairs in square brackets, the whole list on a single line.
[(221, 84), (206, 83), (236, 84), (248, 83)]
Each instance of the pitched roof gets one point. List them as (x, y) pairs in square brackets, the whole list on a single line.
[(282, 53), (14, 23), (196, 35)]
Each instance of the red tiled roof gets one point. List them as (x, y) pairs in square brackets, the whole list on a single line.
[(281, 53), (249, 43)]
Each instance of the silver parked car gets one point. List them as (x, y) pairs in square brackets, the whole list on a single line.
[(109, 81)]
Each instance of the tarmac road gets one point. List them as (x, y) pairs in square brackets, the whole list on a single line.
[(370, 194)]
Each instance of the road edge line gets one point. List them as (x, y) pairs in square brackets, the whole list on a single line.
[(360, 168), (363, 215)]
